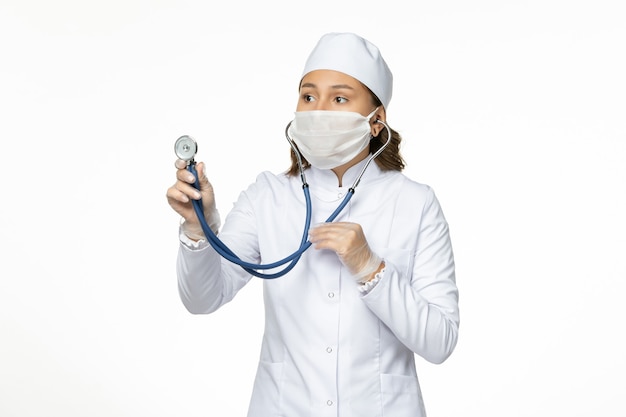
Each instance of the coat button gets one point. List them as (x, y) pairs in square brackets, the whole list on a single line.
[(331, 295), (329, 403), (329, 349)]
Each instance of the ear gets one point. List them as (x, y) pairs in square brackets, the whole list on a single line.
[(375, 127)]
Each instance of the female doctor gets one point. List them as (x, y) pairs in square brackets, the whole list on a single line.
[(378, 284)]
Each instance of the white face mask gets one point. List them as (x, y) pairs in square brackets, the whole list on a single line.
[(328, 139)]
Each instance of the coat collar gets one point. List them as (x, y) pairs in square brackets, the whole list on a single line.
[(325, 179)]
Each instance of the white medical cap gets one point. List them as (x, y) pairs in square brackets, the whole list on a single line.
[(356, 57)]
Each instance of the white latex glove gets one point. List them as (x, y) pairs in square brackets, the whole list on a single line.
[(180, 194), (348, 242)]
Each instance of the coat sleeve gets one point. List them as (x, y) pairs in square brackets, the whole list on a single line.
[(420, 305), (206, 281)]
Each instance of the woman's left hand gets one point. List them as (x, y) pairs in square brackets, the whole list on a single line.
[(348, 241)]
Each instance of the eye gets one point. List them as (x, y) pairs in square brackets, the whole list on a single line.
[(341, 100), (308, 98)]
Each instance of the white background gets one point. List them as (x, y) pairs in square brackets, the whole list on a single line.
[(513, 111)]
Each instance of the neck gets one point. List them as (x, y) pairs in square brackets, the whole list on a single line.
[(340, 170)]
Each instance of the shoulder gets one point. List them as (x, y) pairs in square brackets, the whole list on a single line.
[(407, 186), (412, 195), (271, 179), (269, 183)]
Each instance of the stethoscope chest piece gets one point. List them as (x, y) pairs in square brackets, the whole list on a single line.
[(185, 148)]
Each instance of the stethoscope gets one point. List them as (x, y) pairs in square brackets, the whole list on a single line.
[(186, 148)]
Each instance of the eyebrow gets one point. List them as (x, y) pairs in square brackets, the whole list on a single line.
[(336, 86)]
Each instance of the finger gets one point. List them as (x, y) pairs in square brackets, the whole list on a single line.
[(335, 226), (325, 244), (185, 176), (317, 231), (202, 178), (331, 230), (180, 164), (323, 238), (175, 195), (188, 190)]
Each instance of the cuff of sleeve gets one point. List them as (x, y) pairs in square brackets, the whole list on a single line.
[(369, 285), (191, 244)]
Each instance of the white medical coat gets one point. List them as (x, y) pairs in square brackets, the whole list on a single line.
[(328, 349)]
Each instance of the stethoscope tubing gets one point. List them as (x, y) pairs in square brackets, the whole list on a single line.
[(224, 251), (253, 268)]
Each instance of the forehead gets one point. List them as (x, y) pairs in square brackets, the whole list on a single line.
[(330, 79)]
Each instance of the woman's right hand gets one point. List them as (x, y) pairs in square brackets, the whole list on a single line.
[(181, 194)]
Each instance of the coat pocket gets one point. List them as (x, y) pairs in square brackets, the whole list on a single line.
[(401, 396), (267, 389), (402, 259)]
